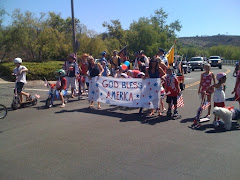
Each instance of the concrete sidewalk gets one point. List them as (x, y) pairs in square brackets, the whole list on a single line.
[(4, 80)]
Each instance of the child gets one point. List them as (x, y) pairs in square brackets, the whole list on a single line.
[(172, 89), (133, 73), (219, 93), (61, 84), (106, 71), (20, 73), (205, 83), (161, 109)]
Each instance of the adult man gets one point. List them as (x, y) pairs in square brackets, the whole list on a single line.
[(143, 61), (115, 62), (161, 54), (72, 72), (103, 57)]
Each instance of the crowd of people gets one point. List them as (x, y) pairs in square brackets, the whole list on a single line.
[(75, 73), (118, 67)]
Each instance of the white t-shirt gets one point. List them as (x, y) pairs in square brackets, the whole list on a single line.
[(219, 95), (20, 77), (164, 60)]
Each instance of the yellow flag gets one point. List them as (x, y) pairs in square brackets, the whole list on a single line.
[(170, 56)]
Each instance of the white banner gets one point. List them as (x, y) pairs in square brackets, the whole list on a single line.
[(129, 92)]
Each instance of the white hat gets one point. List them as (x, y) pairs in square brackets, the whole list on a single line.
[(17, 60)]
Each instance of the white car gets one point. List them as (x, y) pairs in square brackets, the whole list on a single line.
[(215, 61)]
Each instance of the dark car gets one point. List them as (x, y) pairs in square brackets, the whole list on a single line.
[(197, 63)]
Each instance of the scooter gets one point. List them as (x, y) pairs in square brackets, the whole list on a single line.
[(53, 94), (16, 103)]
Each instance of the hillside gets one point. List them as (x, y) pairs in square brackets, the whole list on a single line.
[(208, 41)]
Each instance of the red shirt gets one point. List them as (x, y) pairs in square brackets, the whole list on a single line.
[(135, 73), (206, 82), (172, 86), (63, 83), (84, 68)]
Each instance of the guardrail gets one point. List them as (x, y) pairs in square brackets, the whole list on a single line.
[(229, 62)]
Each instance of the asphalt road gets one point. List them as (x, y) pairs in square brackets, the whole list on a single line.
[(114, 142)]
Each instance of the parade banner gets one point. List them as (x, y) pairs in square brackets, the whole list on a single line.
[(129, 92)]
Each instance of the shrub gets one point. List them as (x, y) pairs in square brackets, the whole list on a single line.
[(37, 71)]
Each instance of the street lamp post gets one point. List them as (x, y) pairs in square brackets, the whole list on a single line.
[(73, 28)]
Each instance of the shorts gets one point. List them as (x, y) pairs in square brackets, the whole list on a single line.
[(171, 99), (19, 87), (219, 104), (63, 92), (71, 81)]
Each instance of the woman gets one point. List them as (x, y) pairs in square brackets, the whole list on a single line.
[(155, 71), (83, 67), (236, 90), (94, 69)]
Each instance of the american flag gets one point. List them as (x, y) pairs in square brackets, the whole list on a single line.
[(206, 105), (180, 102), (46, 83)]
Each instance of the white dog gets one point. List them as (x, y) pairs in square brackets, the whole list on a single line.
[(225, 115)]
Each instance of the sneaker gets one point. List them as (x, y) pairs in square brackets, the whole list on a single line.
[(208, 116), (164, 109), (169, 113), (175, 113), (62, 106)]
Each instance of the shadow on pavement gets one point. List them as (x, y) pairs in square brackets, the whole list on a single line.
[(230, 99), (235, 127), (142, 118), (208, 128), (187, 120)]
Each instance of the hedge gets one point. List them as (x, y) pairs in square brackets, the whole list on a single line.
[(37, 71)]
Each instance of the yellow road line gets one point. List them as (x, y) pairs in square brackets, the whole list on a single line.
[(197, 82)]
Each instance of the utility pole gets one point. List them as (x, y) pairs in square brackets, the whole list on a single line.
[(73, 28)]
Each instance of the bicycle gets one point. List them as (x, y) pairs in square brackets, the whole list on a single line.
[(3, 111)]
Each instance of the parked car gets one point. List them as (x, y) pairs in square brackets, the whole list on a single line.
[(187, 68), (215, 61), (196, 63)]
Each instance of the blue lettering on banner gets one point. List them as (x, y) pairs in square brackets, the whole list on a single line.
[(121, 96), (110, 84), (113, 95)]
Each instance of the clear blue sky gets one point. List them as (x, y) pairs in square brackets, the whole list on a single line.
[(198, 17)]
